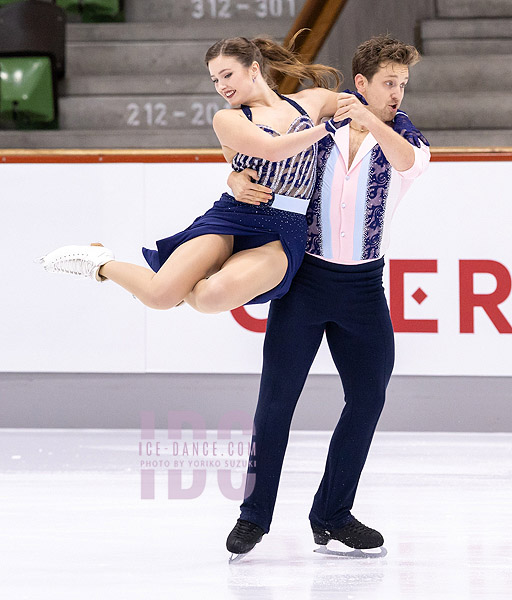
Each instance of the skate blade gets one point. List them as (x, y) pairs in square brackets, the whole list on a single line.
[(234, 558), (355, 553)]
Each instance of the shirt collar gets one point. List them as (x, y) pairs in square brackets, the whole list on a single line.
[(341, 139)]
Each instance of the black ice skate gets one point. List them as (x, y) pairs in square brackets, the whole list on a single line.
[(242, 539), (354, 535)]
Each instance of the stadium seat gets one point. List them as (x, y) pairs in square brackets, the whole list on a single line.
[(32, 59), (27, 98), (34, 28), (94, 10)]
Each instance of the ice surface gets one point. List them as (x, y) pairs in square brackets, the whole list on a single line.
[(74, 526)]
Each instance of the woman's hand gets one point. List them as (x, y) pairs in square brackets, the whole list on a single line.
[(245, 190)]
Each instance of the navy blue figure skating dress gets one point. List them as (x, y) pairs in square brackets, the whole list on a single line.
[(283, 218)]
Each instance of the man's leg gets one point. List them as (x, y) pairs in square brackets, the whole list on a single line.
[(362, 346), (291, 343)]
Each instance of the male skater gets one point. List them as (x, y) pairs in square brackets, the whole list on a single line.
[(364, 170)]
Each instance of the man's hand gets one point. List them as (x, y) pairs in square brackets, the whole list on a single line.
[(245, 190), (350, 107)]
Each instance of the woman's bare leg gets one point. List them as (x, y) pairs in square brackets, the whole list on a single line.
[(189, 263), (243, 276)]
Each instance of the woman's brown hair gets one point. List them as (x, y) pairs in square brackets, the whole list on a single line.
[(275, 60)]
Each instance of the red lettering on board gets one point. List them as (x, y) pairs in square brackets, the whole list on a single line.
[(397, 270), (243, 318), (489, 302)]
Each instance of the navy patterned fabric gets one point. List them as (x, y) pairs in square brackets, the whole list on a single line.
[(293, 176), (253, 226), (313, 215), (379, 176)]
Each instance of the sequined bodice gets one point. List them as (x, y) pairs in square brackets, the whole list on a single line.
[(294, 176)]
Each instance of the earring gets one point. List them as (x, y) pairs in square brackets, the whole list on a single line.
[(254, 79)]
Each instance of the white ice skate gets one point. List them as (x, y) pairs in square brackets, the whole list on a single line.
[(82, 261)]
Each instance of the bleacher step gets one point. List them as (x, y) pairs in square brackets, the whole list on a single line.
[(452, 110), (109, 139), (462, 73), (474, 138), (186, 12), (466, 28), (115, 85), (429, 110), (125, 58), (169, 139), (166, 31), (473, 8), (138, 113), (474, 47)]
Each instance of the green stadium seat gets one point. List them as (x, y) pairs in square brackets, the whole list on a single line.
[(27, 98), (94, 10)]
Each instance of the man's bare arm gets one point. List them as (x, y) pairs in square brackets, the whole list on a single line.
[(245, 190)]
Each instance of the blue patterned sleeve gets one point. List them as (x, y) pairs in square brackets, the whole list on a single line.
[(404, 127), (332, 126)]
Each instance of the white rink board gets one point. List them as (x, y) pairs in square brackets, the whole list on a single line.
[(455, 212)]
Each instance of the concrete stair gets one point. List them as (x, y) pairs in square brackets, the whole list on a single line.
[(474, 8), (490, 72), (224, 11), (132, 112), (110, 139), (144, 83), (467, 36), (454, 110), (467, 28), (171, 31), (459, 94), (471, 138), (113, 85), (129, 58)]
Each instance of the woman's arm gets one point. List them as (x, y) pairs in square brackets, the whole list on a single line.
[(319, 102), (398, 151), (235, 131)]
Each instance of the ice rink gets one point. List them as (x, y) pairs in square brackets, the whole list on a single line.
[(74, 525)]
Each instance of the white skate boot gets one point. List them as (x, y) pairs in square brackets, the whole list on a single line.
[(83, 261)]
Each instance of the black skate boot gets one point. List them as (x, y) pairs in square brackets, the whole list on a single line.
[(243, 537), (354, 535)]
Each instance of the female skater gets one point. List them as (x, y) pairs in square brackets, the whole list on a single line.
[(236, 253)]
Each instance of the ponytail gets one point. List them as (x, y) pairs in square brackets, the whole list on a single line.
[(284, 61), (276, 60)]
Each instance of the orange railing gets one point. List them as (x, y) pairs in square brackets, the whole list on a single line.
[(208, 156)]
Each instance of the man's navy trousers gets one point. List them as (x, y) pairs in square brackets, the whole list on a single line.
[(346, 302)]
